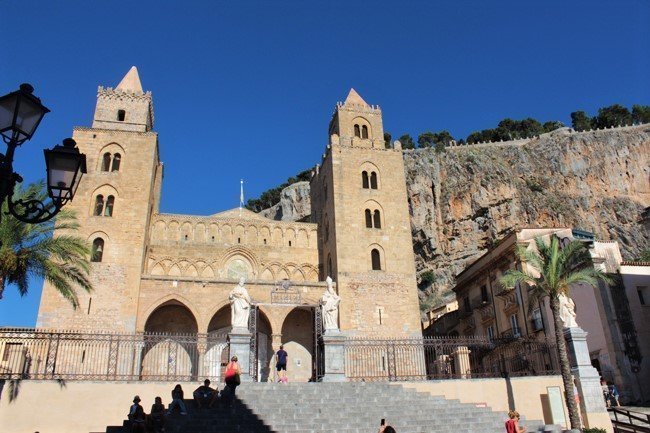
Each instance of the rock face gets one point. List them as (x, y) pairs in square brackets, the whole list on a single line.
[(294, 205), (465, 199)]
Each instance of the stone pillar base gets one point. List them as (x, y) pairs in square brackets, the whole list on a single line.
[(334, 342), (587, 380), (240, 346)]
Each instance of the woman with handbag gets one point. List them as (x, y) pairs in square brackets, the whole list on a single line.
[(232, 377)]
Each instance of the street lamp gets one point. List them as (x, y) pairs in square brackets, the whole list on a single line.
[(20, 114)]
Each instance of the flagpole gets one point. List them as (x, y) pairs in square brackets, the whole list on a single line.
[(241, 195)]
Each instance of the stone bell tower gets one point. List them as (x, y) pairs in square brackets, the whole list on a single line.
[(113, 205), (360, 202)]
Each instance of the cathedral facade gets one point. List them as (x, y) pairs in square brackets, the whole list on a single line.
[(166, 273)]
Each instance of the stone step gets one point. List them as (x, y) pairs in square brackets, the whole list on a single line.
[(335, 408)]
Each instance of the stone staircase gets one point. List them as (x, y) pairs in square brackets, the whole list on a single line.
[(335, 408)]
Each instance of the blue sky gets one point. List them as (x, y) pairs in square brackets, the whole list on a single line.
[(245, 89)]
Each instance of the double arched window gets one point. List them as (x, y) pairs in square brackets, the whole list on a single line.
[(373, 219), (111, 162), (104, 207), (360, 131), (369, 180), (97, 253)]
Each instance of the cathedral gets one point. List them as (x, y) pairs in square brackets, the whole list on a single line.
[(154, 272)]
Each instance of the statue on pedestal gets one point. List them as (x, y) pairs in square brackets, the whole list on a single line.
[(330, 304), (567, 311), (240, 305)]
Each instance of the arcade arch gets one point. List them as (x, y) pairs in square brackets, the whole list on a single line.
[(298, 341)]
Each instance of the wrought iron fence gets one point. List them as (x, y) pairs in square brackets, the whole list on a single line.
[(448, 358), (33, 354)]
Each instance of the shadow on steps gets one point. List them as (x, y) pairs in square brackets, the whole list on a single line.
[(223, 417)]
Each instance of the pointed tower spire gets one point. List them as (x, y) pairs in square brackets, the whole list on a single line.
[(355, 98), (131, 81)]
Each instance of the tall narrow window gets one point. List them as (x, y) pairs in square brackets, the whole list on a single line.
[(368, 219), (364, 131), (364, 180), (106, 161), (376, 259), (98, 250), (329, 266), (373, 180), (117, 159), (110, 201), (327, 230), (377, 219), (484, 294), (121, 115), (99, 205), (357, 131)]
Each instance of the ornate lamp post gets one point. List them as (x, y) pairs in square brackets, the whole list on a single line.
[(20, 114)]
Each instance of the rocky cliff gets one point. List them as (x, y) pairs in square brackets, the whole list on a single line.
[(468, 197), (294, 204)]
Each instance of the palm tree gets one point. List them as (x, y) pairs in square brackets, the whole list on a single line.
[(551, 270), (31, 250)]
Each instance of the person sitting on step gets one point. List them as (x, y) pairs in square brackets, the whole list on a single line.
[(137, 416), (157, 416), (177, 400), (204, 395)]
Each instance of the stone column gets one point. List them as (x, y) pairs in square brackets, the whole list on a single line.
[(461, 362), (240, 346), (201, 347), (334, 345), (587, 380)]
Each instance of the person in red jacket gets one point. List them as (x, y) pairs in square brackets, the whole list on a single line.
[(512, 425)]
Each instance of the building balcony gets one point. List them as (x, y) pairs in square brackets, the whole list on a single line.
[(511, 333), (487, 313)]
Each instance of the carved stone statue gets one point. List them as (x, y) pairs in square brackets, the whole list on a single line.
[(240, 305), (567, 311), (330, 302)]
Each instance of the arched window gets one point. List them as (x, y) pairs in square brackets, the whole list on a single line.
[(376, 259), (97, 250), (106, 161), (377, 219), (99, 205), (368, 219), (364, 180), (121, 115), (364, 131), (373, 180), (108, 210), (117, 159), (357, 131)]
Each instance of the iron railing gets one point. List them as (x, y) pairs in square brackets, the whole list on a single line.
[(69, 355), (447, 358)]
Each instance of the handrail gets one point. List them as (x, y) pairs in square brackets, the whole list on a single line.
[(628, 426)]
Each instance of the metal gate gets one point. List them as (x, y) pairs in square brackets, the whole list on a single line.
[(318, 360), (253, 320)]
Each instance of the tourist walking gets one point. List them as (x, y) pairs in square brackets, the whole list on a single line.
[(281, 364), (157, 416), (137, 416), (204, 395), (177, 400), (232, 377), (512, 425)]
